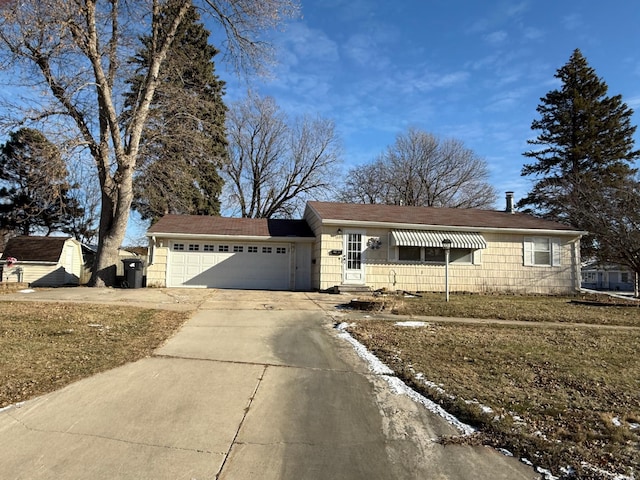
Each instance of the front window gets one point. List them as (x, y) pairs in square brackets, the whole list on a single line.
[(434, 255), (541, 251), (411, 254)]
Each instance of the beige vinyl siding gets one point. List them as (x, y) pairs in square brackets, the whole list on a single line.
[(157, 271), (501, 269), (330, 270), (498, 268), (316, 250)]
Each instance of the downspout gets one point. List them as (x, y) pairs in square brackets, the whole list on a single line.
[(152, 249), (577, 274)]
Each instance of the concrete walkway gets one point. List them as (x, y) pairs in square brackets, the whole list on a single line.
[(255, 386)]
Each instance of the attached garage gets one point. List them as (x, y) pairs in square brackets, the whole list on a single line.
[(217, 252), (229, 265)]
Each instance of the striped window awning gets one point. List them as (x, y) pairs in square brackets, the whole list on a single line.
[(419, 238)]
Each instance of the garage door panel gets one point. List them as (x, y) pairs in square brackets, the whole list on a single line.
[(243, 269)]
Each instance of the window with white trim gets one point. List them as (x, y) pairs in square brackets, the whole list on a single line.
[(541, 252), (178, 247), (208, 248), (252, 249), (194, 247), (223, 248), (281, 250), (238, 248), (266, 249)]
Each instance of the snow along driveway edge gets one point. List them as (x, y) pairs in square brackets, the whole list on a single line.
[(398, 386)]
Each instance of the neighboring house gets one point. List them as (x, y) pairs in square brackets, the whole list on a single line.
[(368, 246), (42, 261), (597, 276)]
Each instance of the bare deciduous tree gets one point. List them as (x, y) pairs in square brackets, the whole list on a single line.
[(420, 169), (274, 165), (74, 51), (611, 215)]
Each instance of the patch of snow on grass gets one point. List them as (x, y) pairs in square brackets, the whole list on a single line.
[(397, 385), (411, 324), (400, 387), (375, 365), (605, 474), (546, 474)]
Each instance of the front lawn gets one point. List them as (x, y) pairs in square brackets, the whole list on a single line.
[(567, 398), (45, 346)]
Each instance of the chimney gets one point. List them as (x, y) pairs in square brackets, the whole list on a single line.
[(510, 208)]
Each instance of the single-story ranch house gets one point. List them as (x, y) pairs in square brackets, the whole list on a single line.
[(373, 246)]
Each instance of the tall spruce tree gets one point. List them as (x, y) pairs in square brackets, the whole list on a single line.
[(184, 143), (34, 190), (586, 139)]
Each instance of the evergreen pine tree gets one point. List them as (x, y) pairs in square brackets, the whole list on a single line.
[(34, 190), (586, 139), (184, 142)]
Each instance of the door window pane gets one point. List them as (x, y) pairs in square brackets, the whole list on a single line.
[(354, 248)]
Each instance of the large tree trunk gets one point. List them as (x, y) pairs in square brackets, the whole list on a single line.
[(114, 216)]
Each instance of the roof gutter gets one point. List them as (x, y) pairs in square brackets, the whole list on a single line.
[(450, 228), (242, 238)]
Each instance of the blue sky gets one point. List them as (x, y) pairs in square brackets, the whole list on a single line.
[(471, 70)]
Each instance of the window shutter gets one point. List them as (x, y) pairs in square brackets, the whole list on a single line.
[(477, 257), (556, 252), (528, 251)]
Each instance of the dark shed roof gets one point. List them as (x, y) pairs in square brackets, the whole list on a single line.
[(35, 249)]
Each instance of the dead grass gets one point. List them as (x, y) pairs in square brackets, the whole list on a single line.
[(578, 309), (559, 395), (45, 346)]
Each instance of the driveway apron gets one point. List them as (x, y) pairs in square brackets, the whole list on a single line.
[(255, 385)]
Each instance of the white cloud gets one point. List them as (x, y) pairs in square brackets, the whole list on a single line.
[(496, 38), (532, 33), (633, 102), (364, 50), (572, 22)]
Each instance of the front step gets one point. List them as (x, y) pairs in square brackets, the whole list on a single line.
[(352, 289)]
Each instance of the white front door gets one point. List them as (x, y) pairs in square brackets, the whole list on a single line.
[(353, 258)]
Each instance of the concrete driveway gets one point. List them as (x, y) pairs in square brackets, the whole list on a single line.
[(255, 386)]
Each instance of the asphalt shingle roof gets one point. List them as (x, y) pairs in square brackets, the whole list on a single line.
[(254, 227), (34, 249), (453, 217)]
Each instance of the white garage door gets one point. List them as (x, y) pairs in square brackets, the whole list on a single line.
[(229, 265)]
